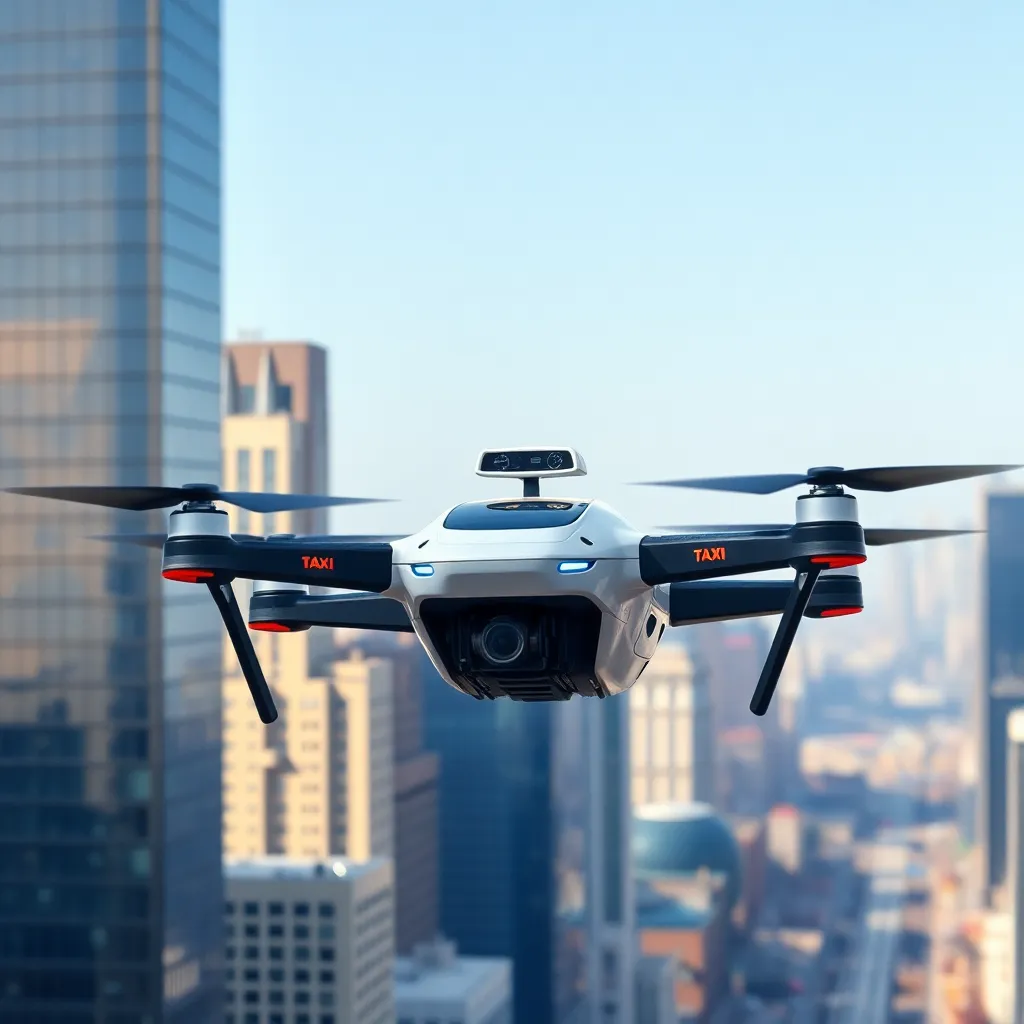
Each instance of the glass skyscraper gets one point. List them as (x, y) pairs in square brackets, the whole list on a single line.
[(512, 841), (110, 818), (1003, 678)]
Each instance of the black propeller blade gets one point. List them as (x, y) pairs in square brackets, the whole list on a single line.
[(873, 537), (892, 478), (143, 499), (242, 643), (156, 540)]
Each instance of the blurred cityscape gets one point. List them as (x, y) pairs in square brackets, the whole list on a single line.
[(389, 850)]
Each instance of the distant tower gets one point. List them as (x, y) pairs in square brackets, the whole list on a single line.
[(1015, 849), (1002, 680), (671, 731)]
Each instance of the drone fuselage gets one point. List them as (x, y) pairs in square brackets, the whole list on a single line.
[(571, 587)]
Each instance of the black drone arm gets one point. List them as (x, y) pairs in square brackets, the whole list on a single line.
[(683, 557), (289, 611), (721, 600), (345, 565), (809, 548)]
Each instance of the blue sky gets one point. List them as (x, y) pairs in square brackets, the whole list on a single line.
[(685, 238)]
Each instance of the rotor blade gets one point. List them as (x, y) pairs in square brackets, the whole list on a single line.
[(763, 484), (901, 478), (796, 605), (143, 499), (886, 478), (156, 540), (881, 537), (242, 643), (257, 502)]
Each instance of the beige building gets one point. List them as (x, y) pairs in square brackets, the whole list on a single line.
[(309, 941), (319, 781), (672, 747)]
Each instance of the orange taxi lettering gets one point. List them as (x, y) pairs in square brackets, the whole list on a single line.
[(312, 562), (709, 554)]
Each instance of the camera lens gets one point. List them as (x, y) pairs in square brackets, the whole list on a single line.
[(502, 641)]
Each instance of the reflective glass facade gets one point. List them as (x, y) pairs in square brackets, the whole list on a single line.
[(1003, 679), (110, 823), (513, 806)]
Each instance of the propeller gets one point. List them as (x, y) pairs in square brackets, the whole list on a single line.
[(143, 499), (891, 478), (156, 540), (873, 537)]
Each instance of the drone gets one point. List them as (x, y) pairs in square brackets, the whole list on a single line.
[(529, 598)]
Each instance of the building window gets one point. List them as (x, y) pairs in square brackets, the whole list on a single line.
[(302, 977), (277, 975), (301, 909), (327, 977), (283, 398), (326, 955), (252, 974), (269, 469), (302, 953), (301, 931), (246, 399), (326, 910), (275, 909), (252, 909), (252, 931)]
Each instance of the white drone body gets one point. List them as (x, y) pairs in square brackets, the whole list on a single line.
[(486, 552)]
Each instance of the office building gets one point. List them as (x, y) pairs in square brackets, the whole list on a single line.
[(318, 782), (110, 332), (274, 403), (1003, 672), (517, 839), (1015, 852), (672, 740), (435, 984), (309, 941), (417, 871)]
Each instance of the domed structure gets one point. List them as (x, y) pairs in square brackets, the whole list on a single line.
[(681, 839)]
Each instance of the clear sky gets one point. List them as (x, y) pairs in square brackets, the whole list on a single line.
[(687, 238)]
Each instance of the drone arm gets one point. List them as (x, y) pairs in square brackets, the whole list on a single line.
[(688, 557), (290, 611), (683, 558), (720, 600), (346, 565)]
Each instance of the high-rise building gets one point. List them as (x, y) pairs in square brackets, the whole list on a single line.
[(309, 941), (274, 403), (1015, 851), (1002, 680), (535, 848), (110, 334), (318, 782), (417, 872), (672, 739)]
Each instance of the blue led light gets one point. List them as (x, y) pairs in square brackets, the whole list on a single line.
[(571, 567), (423, 570)]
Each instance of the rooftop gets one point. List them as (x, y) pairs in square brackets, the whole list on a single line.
[(311, 868), (435, 974)]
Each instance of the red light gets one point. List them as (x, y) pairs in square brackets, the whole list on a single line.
[(270, 627), (839, 561), (831, 613), (187, 575)]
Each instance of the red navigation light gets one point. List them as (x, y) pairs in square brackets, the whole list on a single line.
[(271, 627), (831, 613), (187, 575), (838, 561)]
